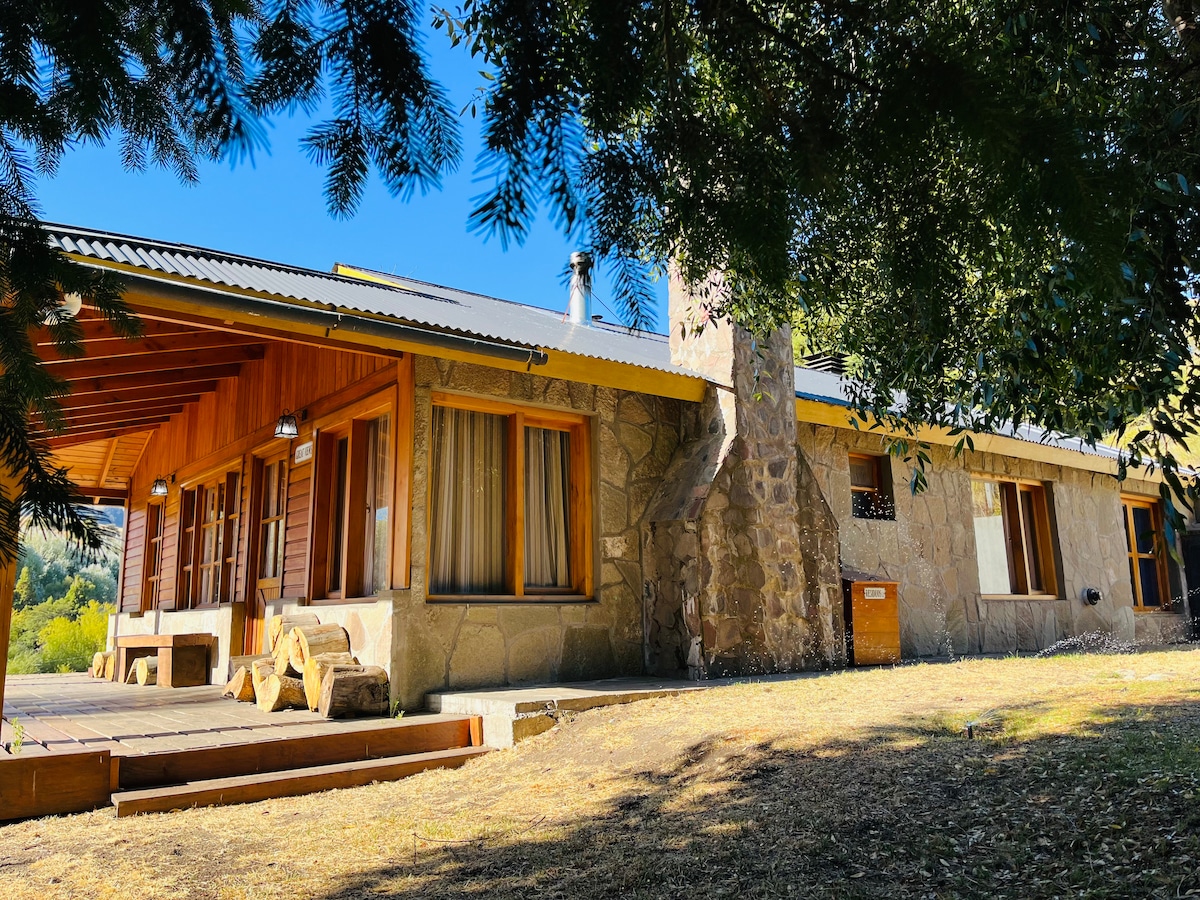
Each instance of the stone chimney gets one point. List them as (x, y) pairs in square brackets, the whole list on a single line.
[(726, 590)]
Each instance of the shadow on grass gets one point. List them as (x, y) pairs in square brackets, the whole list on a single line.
[(914, 811)]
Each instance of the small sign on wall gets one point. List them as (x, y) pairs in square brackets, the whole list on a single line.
[(304, 452), (874, 593)]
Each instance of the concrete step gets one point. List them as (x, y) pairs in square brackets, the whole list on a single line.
[(290, 783)]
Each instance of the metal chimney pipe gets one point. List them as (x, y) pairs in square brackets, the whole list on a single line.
[(579, 311)]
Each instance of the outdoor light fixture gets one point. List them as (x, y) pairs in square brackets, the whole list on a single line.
[(159, 488), (286, 427)]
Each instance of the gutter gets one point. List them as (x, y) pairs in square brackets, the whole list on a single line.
[(333, 320)]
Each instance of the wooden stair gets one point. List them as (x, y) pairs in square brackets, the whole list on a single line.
[(287, 767), (289, 783)]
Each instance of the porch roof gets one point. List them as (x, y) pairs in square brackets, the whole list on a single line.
[(372, 294)]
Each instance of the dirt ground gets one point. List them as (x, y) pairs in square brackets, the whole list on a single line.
[(1077, 776)]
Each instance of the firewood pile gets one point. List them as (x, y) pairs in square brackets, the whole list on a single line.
[(310, 666)]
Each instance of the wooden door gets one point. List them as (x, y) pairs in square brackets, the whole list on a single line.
[(268, 506)]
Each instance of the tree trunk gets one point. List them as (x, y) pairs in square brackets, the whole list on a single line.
[(281, 693), (260, 670), (281, 625), (147, 670), (310, 641), (315, 668), (240, 686), (354, 691)]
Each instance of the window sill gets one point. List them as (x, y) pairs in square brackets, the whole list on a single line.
[(509, 599), (1020, 596), (1156, 611)]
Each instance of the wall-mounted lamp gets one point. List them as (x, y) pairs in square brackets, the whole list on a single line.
[(1092, 596), (287, 427), (159, 488)]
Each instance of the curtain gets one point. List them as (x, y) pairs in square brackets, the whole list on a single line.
[(466, 491), (547, 456), (379, 494)]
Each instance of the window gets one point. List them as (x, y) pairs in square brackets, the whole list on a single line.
[(208, 541), (870, 492), (272, 508), (154, 549), (509, 501), (1012, 538), (1146, 546), (353, 513)]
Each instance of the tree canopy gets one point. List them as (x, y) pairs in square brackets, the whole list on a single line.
[(990, 206)]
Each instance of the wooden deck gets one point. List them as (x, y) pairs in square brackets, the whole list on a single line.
[(87, 743)]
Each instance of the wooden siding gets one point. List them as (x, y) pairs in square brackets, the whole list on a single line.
[(220, 431)]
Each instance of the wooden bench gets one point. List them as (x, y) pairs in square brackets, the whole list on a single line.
[(182, 658)]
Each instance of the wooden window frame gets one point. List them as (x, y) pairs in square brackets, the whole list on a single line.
[(189, 575), (579, 501), (351, 422), (880, 492), (156, 514), (1017, 547), (1158, 554)]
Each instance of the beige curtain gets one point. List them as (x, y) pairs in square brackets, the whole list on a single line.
[(547, 457), (466, 495), (379, 501)]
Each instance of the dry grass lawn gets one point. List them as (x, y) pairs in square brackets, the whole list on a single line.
[(1082, 779)]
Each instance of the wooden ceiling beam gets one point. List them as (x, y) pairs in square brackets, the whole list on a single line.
[(107, 464), (86, 437), (155, 416), (102, 493), (109, 383), (117, 411), (186, 393), (116, 366), (100, 330), (170, 343)]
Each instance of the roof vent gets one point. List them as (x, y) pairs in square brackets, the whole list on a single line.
[(579, 311), (833, 363)]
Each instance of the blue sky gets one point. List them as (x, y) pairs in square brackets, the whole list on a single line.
[(274, 209)]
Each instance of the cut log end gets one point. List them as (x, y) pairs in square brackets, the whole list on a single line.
[(354, 691), (240, 686), (281, 692), (281, 625), (147, 670), (314, 673)]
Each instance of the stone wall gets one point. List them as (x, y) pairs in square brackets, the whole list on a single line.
[(221, 622), (728, 588), (449, 645), (930, 550)]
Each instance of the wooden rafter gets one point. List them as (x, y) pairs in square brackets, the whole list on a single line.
[(151, 379), (132, 407), (108, 461), (112, 401), (117, 366), (114, 419), (171, 343), (87, 436), (171, 390)]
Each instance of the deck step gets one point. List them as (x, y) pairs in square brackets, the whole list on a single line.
[(418, 734), (290, 783)]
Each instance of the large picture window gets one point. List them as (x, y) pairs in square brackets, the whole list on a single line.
[(1012, 538), (1146, 547), (352, 526), (509, 501)]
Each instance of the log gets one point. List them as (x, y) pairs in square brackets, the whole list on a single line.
[(147, 670), (283, 658), (315, 668), (240, 686), (281, 692), (309, 641), (354, 691), (260, 670), (281, 625), (110, 667), (99, 661), (131, 675)]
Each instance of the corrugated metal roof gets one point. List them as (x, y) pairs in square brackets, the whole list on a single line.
[(408, 301), (826, 387)]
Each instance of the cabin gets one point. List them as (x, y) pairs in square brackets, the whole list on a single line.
[(483, 493)]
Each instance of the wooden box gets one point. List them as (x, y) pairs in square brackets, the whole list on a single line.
[(872, 622)]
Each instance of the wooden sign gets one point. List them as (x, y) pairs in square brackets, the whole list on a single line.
[(304, 452)]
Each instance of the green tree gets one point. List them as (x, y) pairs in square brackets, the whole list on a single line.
[(992, 202), (67, 645), (23, 594)]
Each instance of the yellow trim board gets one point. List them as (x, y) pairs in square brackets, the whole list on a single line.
[(560, 364), (817, 413)]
